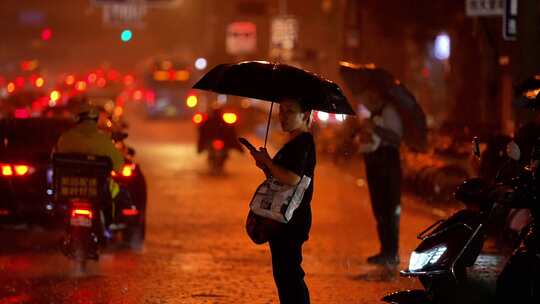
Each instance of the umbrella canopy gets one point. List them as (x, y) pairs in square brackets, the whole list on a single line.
[(360, 78), (274, 81), (527, 93)]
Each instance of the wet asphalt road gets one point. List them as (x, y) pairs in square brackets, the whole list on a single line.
[(196, 249)]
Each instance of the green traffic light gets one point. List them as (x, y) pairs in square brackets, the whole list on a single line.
[(126, 35)]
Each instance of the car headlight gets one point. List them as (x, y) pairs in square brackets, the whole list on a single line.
[(420, 259)]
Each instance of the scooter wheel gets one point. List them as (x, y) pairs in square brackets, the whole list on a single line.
[(442, 289)]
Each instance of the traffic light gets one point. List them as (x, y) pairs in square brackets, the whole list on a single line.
[(46, 34), (126, 35)]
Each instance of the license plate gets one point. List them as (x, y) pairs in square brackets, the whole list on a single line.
[(81, 222)]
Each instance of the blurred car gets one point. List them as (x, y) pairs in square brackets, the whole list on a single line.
[(25, 148), (169, 92), (26, 173), (24, 103)]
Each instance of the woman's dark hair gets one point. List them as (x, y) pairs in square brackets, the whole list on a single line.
[(304, 107)]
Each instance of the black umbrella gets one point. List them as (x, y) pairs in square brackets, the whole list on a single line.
[(527, 93), (274, 81), (360, 78)]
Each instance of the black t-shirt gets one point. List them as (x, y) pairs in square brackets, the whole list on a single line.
[(299, 156)]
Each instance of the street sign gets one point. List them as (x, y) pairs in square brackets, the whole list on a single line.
[(164, 3), (284, 36), (150, 3), (510, 20), (241, 38), (31, 17), (121, 14), (484, 8)]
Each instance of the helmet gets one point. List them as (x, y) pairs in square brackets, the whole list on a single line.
[(88, 111)]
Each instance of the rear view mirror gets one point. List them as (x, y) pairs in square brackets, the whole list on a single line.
[(513, 151), (476, 147)]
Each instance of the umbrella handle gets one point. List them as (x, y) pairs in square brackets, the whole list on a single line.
[(268, 124)]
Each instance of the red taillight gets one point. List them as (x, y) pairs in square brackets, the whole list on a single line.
[(192, 101), (6, 170), (22, 113), (150, 97), (17, 170), (130, 212), (198, 118), (4, 212), (127, 171), (81, 212), (218, 144), (230, 118), (137, 95), (81, 209), (21, 170)]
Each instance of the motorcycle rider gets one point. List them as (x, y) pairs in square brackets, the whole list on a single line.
[(215, 128), (86, 138)]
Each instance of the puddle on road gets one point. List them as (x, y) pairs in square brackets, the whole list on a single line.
[(193, 262)]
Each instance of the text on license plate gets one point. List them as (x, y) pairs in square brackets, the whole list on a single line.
[(81, 222)]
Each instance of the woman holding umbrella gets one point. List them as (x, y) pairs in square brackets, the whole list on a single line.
[(295, 159), (298, 92)]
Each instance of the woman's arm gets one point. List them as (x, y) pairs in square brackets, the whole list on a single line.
[(283, 175)]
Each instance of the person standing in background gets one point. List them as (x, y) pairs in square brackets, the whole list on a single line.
[(379, 140)]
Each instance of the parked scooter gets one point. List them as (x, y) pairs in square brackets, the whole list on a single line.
[(449, 247), (519, 281), (500, 162)]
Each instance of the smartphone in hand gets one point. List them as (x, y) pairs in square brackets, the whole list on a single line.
[(252, 148)]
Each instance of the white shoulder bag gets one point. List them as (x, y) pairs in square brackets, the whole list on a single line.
[(278, 201)]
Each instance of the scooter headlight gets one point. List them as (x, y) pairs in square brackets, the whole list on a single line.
[(420, 259)]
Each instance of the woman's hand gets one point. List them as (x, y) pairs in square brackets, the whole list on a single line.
[(263, 161), (261, 157)]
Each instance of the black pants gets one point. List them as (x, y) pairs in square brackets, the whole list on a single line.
[(383, 170), (287, 269)]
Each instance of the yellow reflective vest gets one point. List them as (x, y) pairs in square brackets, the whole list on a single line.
[(85, 138)]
